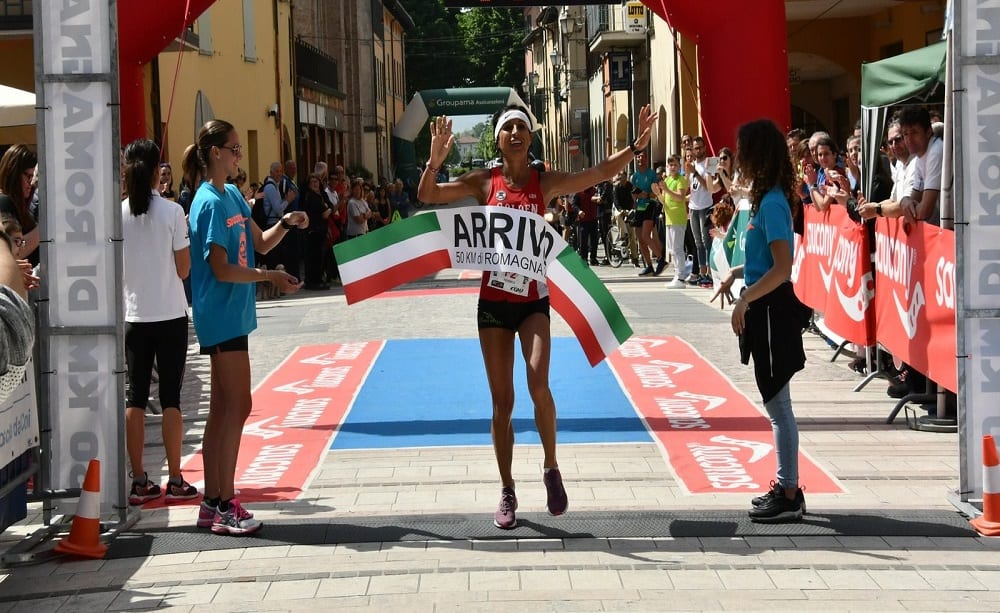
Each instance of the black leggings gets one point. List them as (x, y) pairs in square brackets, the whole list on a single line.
[(315, 248), (167, 342)]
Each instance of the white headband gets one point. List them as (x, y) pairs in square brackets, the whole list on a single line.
[(507, 116)]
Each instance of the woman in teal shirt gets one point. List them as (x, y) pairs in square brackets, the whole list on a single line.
[(767, 316), (223, 280)]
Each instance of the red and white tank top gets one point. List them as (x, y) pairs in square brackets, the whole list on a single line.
[(508, 287)]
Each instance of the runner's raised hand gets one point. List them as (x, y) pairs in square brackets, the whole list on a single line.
[(644, 129), (442, 140)]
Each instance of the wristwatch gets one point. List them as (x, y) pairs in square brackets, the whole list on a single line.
[(286, 225), (635, 150), (878, 209)]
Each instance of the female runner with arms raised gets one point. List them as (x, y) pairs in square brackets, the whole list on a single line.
[(510, 304)]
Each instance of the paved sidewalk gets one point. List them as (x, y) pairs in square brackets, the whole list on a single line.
[(883, 469)]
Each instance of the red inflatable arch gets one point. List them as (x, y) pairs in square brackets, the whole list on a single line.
[(144, 30), (742, 61)]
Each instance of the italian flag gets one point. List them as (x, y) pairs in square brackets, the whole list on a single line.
[(395, 254), (415, 247), (581, 299)]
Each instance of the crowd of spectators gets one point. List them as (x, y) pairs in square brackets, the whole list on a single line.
[(679, 208), (696, 195), (339, 207)]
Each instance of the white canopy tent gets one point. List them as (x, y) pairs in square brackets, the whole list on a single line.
[(17, 117), (17, 107)]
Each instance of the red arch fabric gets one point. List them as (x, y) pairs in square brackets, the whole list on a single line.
[(142, 34), (742, 61), (742, 57)]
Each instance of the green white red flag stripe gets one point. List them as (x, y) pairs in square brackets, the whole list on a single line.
[(582, 300), (396, 254), (486, 238)]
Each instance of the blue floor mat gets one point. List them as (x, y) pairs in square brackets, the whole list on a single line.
[(433, 393)]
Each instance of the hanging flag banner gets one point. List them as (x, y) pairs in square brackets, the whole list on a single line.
[(77, 87), (500, 239), (915, 296), (972, 54)]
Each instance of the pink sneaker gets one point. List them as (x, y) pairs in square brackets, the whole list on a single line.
[(556, 499), (206, 515), (235, 521), (504, 517)]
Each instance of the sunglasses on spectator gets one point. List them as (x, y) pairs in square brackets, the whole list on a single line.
[(723, 157), (895, 139)]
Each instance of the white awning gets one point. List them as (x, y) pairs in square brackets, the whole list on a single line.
[(17, 107)]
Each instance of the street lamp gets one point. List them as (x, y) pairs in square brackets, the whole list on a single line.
[(564, 22), (569, 24), (556, 59), (529, 86)]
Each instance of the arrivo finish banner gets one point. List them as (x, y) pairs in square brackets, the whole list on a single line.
[(518, 244), (832, 273), (915, 297)]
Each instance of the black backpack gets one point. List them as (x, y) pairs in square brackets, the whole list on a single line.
[(258, 212)]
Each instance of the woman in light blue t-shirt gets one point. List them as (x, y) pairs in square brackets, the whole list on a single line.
[(767, 316), (223, 279)]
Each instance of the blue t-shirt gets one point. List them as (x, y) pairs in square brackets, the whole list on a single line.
[(643, 180), (773, 222), (222, 310)]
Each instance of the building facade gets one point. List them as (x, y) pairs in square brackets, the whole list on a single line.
[(590, 68), (363, 43), (234, 64), (320, 91)]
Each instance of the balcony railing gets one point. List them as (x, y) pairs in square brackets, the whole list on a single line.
[(15, 15), (315, 66), (598, 20)]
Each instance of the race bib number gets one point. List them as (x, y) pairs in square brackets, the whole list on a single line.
[(510, 282)]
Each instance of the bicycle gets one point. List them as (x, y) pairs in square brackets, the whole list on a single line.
[(622, 245), (567, 225)]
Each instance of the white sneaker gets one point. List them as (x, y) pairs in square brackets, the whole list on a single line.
[(677, 283)]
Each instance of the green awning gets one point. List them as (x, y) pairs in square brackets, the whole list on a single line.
[(916, 74)]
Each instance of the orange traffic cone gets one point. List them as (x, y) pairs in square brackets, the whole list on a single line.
[(85, 534), (988, 524)]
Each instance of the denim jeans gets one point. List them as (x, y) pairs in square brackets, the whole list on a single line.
[(701, 228), (786, 437)]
